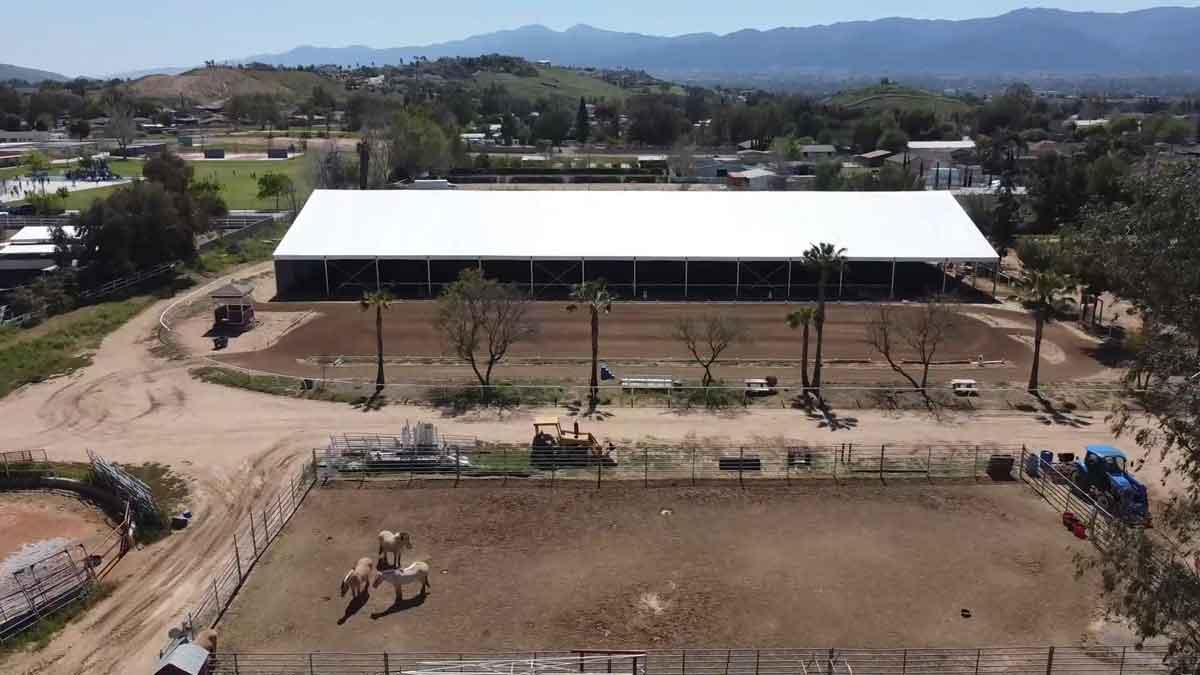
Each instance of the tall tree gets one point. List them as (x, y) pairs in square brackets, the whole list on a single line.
[(275, 185), (121, 125), (480, 319), (822, 259), (1148, 241), (583, 124), (1044, 295), (378, 301), (419, 146), (802, 319), (594, 296)]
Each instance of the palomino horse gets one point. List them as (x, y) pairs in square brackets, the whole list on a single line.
[(416, 572)]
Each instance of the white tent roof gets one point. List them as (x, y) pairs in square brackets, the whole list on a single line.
[(468, 224), (965, 144)]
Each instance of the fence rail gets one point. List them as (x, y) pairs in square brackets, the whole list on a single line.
[(787, 461), (110, 287), (248, 542), (1118, 660)]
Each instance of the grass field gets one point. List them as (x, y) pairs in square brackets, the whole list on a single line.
[(891, 96), (238, 180), (60, 344)]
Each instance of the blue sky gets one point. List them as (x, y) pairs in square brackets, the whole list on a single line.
[(95, 38)]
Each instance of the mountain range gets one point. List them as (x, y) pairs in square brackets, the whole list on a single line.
[(1156, 41), (11, 72)]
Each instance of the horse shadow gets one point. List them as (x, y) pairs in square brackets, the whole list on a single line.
[(356, 604), (401, 605)]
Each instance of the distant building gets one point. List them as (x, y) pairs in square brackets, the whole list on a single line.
[(814, 152), (874, 158), (752, 179)]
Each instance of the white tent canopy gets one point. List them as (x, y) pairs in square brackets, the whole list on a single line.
[(614, 225)]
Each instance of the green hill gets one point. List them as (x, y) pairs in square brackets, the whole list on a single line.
[(11, 72), (551, 83), (893, 96)]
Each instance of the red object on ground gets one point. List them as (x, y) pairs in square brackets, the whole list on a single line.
[(1080, 530), (1069, 520)]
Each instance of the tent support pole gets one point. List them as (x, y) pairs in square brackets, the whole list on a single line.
[(635, 278), (531, 278), (429, 276), (326, 261), (378, 284), (942, 266), (892, 291), (841, 277), (737, 282), (685, 277), (995, 278), (789, 286)]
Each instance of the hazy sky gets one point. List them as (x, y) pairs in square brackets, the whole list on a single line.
[(95, 38)]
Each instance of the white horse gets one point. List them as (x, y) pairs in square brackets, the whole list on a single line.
[(398, 578), (357, 579), (394, 543)]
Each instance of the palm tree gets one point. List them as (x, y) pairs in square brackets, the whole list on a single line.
[(823, 259), (593, 295), (379, 301), (802, 318), (1044, 294)]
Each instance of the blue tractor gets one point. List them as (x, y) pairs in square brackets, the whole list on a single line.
[(1101, 474)]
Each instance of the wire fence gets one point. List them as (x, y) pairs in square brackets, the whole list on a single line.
[(1098, 660), (249, 540), (747, 464)]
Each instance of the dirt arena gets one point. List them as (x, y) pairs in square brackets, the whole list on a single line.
[(34, 525), (637, 337), (537, 568)]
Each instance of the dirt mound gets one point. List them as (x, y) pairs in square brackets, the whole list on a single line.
[(215, 84)]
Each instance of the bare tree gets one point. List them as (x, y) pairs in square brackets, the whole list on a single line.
[(121, 125), (380, 147), (918, 331), (682, 162), (707, 337), (481, 319)]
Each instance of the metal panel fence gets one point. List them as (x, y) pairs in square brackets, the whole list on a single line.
[(1100, 660), (786, 461), (128, 488), (42, 588)]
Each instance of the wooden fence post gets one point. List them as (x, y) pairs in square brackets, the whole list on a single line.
[(386, 667), (978, 656), (457, 468), (975, 465), (266, 529), (929, 467), (253, 536), (645, 467), (599, 469), (237, 557), (881, 447), (216, 599), (1123, 650), (693, 466), (1050, 661), (741, 461)]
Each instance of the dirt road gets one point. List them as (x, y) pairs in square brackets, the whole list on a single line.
[(231, 444)]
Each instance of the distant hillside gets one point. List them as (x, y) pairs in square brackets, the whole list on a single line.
[(897, 97), (11, 72), (212, 84), (551, 83), (1024, 42)]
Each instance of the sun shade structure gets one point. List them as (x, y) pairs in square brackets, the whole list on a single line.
[(650, 245)]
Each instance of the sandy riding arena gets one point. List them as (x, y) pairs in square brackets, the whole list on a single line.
[(34, 525), (634, 338), (538, 568)]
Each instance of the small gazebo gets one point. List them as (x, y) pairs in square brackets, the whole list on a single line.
[(234, 305)]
